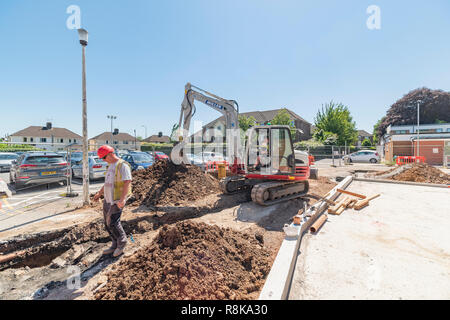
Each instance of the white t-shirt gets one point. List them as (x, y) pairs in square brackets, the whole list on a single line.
[(109, 180)]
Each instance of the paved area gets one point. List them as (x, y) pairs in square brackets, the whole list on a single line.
[(397, 248), (37, 204)]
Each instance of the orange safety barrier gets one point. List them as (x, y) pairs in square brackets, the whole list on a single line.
[(409, 159), (213, 165)]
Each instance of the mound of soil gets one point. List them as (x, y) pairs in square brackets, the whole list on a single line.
[(191, 261), (421, 172), (167, 184)]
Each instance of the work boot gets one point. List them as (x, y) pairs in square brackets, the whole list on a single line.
[(118, 251), (110, 250)]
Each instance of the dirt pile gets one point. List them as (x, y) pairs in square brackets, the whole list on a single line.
[(167, 184), (421, 172), (191, 261)]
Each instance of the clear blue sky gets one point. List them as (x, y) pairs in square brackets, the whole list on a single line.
[(265, 54)]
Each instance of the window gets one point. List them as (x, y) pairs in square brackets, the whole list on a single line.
[(74, 140), (43, 139), (62, 140), (448, 129), (38, 160), (116, 142), (24, 139), (439, 130), (70, 140), (125, 142), (31, 139)]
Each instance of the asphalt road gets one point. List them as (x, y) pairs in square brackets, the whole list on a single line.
[(39, 202)]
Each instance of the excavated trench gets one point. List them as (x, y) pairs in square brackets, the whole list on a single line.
[(39, 250)]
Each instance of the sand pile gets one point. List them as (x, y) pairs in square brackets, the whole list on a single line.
[(167, 184), (192, 261), (421, 172)]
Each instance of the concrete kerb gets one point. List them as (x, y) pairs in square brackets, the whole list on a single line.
[(279, 279), (403, 182), (4, 190)]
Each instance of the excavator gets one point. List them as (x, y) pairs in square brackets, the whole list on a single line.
[(267, 165)]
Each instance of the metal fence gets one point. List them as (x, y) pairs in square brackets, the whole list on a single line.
[(334, 154)]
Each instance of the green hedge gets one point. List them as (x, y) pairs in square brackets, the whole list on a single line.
[(4, 147)]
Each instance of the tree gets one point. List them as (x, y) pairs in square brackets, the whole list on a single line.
[(376, 137), (335, 118), (434, 105), (283, 118), (366, 143), (246, 122), (326, 138)]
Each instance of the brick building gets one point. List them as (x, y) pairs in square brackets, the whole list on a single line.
[(432, 142)]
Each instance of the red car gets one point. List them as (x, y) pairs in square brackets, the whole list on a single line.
[(158, 155)]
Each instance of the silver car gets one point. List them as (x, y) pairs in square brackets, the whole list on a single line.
[(363, 156), (6, 159), (97, 168)]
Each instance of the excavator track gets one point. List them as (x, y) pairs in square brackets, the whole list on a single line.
[(234, 184), (268, 193)]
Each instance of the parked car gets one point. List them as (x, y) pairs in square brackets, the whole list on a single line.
[(158, 155), (6, 159), (211, 156), (78, 156), (363, 156), (97, 168), (194, 159), (38, 168), (138, 160)]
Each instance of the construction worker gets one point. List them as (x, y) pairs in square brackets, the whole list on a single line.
[(116, 190)]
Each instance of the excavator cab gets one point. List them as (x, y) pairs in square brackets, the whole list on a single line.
[(269, 151)]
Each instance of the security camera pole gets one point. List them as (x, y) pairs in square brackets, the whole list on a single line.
[(83, 34)]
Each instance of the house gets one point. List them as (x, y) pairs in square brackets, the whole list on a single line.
[(265, 117), (157, 139), (47, 137), (121, 141), (363, 135), (429, 140)]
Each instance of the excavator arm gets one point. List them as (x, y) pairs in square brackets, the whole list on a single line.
[(229, 108)]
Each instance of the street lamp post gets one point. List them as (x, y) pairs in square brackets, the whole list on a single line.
[(135, 145), (112, 118), (418, 124), (83, 35), (145, 127)]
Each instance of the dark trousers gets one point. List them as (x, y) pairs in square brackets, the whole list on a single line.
[(111, 214)]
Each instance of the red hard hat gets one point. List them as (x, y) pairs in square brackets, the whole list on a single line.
[(104, 150)]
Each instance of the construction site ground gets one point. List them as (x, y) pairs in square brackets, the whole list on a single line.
[(396, 248), (76, 237), (65, 240)]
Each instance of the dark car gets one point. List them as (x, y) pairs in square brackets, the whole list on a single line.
[(38, 168), (138, 160)]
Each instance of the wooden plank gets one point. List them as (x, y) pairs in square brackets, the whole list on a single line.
[(363, 203), (352, 193), (334, 209)]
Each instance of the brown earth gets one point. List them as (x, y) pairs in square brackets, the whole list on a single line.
[(168, 184), (196, 255), (421, 172), (192, 261)]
